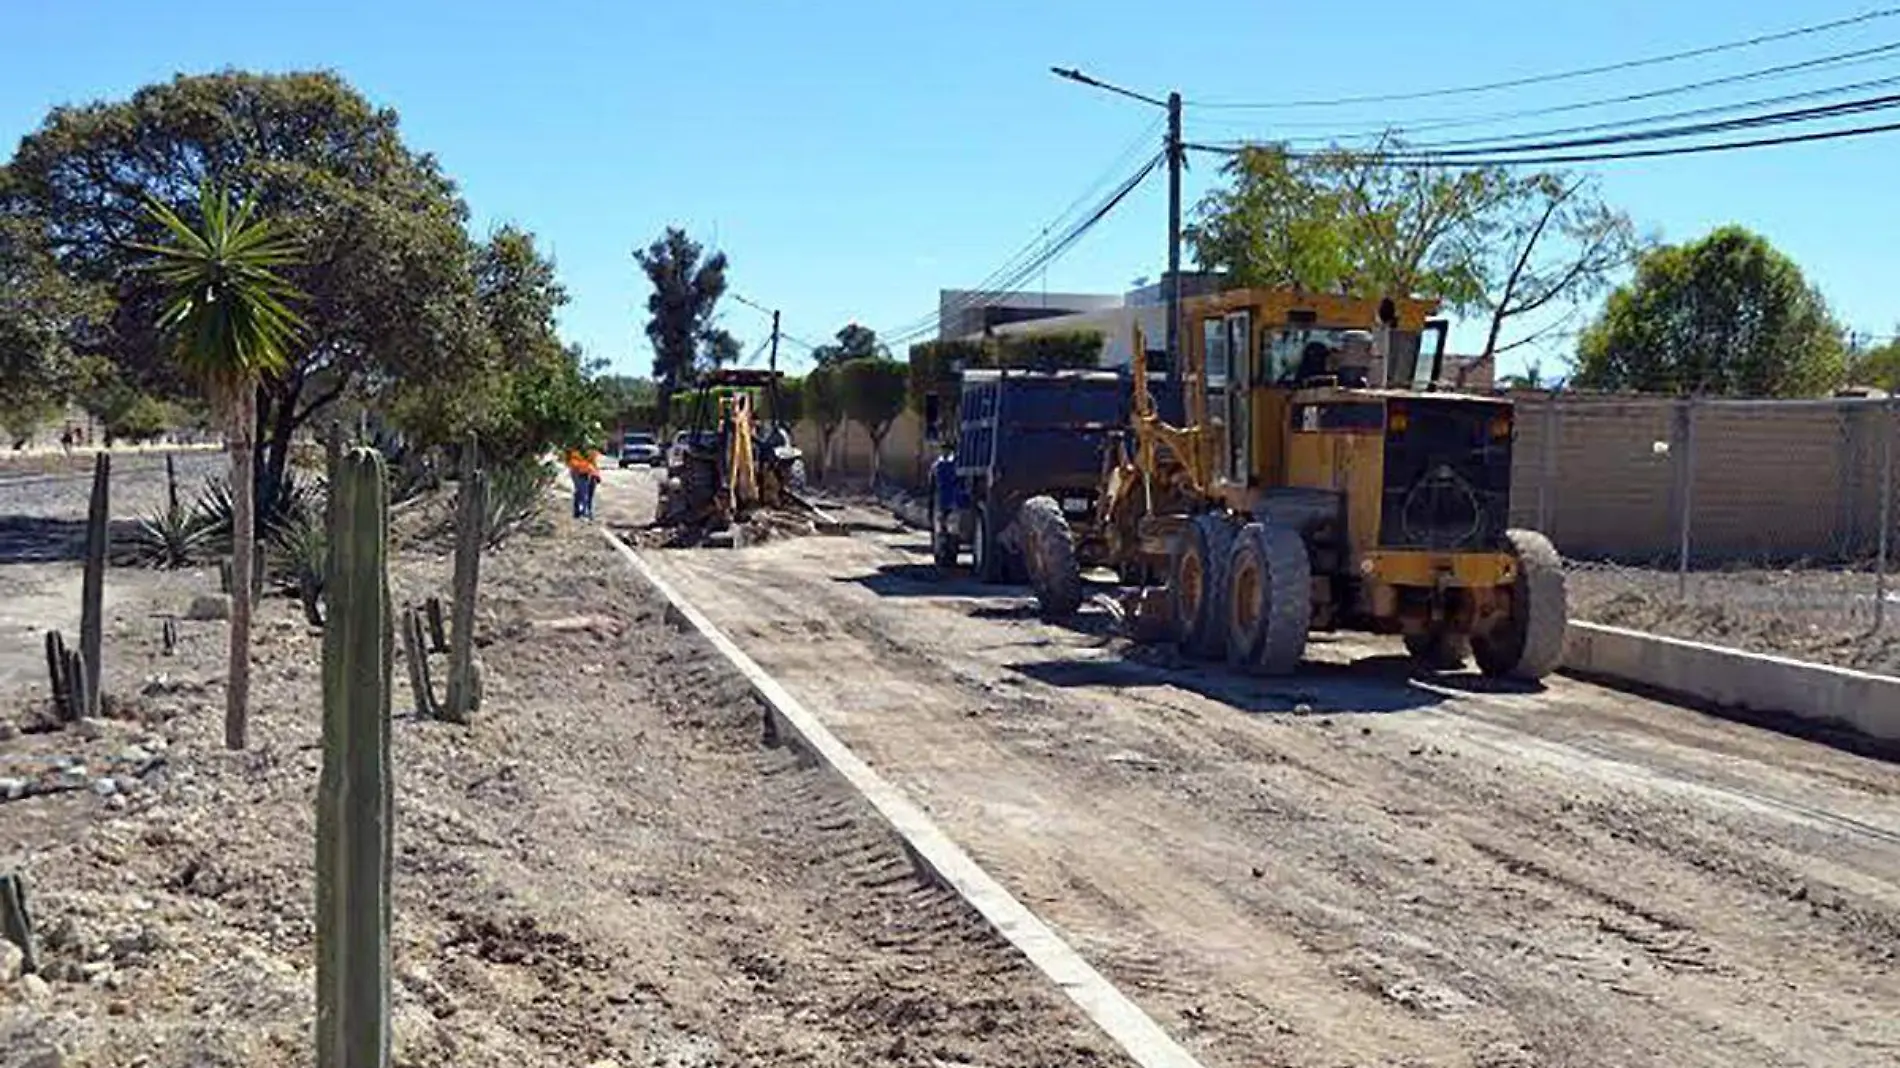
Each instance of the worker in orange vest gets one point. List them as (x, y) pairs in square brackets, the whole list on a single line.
[(583, 465)]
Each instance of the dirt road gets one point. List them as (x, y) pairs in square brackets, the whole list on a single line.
[(1355, 868)]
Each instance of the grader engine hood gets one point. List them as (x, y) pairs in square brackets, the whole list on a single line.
[(1447, 482)]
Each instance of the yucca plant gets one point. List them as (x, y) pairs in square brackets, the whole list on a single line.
[(228, 324)]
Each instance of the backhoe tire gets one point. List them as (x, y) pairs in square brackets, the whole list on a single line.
[(1530, 644), (1439, 650), (1197, 586), (1049, 550), (1269, 600), (986, 549)]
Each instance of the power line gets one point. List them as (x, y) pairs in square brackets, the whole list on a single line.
[(1719, 109), (1777, 118), (1679, 150), (1048, 254), (987, 285), (1540, 79)]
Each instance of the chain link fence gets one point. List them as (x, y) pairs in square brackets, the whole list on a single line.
[(1761, 524)]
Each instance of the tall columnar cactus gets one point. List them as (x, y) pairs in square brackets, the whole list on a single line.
[(464, 678), (92, 590), (16, 923), (354, 800)]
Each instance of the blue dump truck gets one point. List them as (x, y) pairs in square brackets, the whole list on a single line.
[(1028, 441)]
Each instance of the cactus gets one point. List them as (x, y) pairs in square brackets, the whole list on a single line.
[(92, 589), (438, 634), (169, 632), (471, 508), (354, 801), (66, 669), (415, 653), (16, 923)]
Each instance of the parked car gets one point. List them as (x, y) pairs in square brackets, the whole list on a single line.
[(640, 449)]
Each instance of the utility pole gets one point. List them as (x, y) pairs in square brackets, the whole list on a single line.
[(1176, 152), (1176, 158), (774, 363)]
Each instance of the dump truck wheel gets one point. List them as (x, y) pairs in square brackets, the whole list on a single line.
[(1049, 550), (1197, 586), (1530, 644), (1439, 650), (986, 551), (1269, 600)]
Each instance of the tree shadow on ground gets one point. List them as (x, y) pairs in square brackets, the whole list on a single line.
[(40, 540)]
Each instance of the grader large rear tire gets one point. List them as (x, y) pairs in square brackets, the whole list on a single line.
[(1269, 600), (1197, 586), (1530, 644), (1049, 551)]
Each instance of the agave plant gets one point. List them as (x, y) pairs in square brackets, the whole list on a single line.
[(172, 536), (517, 494), (216, 506), (296, 552)]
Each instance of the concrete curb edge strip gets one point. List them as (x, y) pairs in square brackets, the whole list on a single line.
[(1132, 1029), (1820, 693)]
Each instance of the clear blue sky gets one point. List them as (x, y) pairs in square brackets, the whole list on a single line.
[(855, 157)]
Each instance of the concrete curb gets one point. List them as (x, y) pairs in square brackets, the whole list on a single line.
[(1755, 682), (1121, 1019)]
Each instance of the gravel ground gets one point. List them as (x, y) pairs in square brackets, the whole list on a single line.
[(1354, 866), (609, 866), (1817, 614)]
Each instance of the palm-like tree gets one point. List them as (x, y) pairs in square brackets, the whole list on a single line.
[(227, 319)]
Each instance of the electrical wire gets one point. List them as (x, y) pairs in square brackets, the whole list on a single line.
[(987, 286), (1778, 118), (1048, 254), (1541, 79), (1670, 116), (1594, 157)]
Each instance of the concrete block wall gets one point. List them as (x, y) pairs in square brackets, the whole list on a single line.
[(1765, 480)]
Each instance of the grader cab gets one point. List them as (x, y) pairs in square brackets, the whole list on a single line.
[(1323, 480)]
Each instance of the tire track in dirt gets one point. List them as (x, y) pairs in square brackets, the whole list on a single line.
[(1449, 873)]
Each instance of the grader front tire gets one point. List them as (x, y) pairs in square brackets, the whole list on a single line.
[(1530, 644), (1269, 600)]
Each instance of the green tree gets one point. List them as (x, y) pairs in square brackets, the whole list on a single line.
[(545, 399), (1478, 238), (42, 313), (872, 389), (386, 260), (687, 285), (226, 322), (853, 342), (824, 403), (1726, 314), (1876, 365)]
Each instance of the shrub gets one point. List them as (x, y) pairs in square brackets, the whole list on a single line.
[(1053, 351)]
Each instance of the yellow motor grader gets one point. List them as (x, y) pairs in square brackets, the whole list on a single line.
[(1321, 479)]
